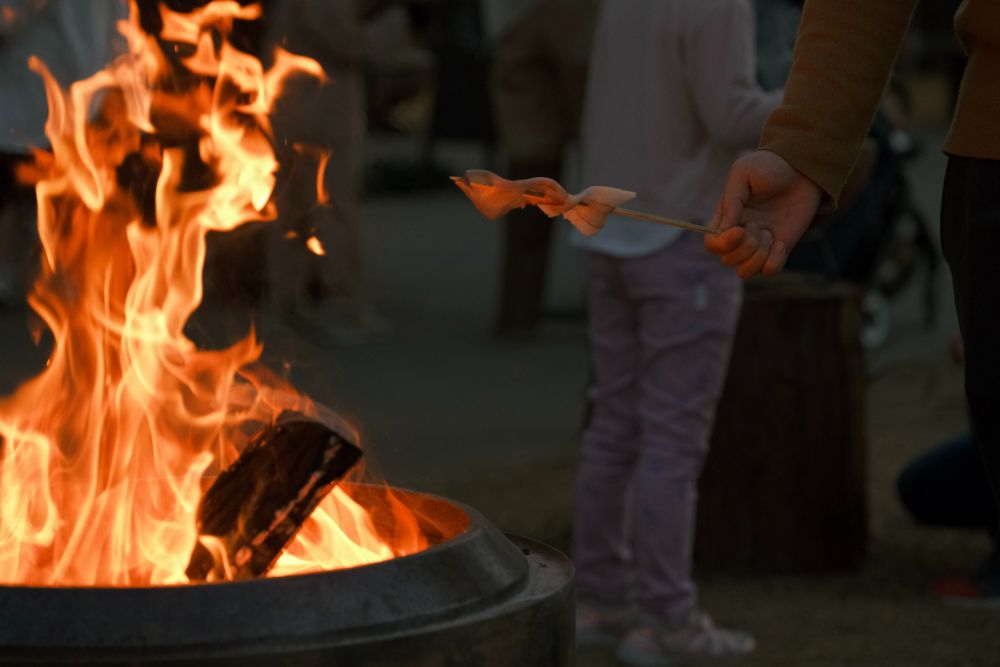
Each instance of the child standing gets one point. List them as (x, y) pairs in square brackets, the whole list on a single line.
[(671, 101)]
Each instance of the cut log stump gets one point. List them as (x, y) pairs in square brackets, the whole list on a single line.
[(257, 505), (783, 489)]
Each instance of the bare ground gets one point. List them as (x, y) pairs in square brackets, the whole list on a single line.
[(879, 615)]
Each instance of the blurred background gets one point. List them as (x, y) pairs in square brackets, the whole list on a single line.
[(409, 339)]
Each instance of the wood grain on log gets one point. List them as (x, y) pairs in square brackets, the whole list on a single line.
[(784, 486), (257, 505)]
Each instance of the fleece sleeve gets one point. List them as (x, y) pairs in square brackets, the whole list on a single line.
[(844, 55)]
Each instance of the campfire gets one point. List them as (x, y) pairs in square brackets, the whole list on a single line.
[(135, 461), (109, 455)]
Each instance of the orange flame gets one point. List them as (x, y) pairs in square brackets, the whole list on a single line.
[(322, 196), (104, 454)]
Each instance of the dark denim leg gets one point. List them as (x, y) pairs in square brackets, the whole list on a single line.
[(970, 238), (947, 486)]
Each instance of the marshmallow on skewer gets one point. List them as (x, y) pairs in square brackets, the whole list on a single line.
[(495, 196)]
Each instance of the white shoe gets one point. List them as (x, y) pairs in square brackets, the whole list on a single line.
[(651, 643)]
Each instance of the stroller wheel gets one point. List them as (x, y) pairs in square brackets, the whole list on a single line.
[(876, 319)]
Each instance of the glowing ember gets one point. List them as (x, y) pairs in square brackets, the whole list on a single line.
[(315, 246), (105, 453)]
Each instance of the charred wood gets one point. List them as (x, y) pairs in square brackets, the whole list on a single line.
[(258, 504)]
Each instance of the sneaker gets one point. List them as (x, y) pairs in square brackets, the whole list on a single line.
[(600, 625), (651, 643), (978, 590)]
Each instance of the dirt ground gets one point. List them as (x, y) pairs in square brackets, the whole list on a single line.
[(877, 616)]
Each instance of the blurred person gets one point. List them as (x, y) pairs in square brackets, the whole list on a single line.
[(672, 98), (947, 486), (74, 39), (540, 52), (322, 293), (844, 55)]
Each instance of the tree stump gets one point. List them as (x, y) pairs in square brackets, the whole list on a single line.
[(783, 489)]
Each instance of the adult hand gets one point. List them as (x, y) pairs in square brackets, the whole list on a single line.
[(765, 208)]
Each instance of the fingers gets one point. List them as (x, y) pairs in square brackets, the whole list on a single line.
[(734, 197), (756, 262), (716, 221), (750, 249), (745, 250), (775, 259), (724, 242)]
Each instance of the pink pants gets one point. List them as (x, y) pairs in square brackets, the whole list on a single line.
[(661, 329)]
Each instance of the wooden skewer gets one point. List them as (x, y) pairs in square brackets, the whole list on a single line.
[(641, 215), (683, 224)]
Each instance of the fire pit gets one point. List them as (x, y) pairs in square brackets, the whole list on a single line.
[(474, 598), (162, 503)]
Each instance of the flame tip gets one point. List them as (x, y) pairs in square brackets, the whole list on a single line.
[(104, 453)]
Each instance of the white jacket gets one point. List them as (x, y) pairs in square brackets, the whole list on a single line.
[(672, 99)]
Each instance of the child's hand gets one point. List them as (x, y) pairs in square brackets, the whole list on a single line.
[(765, 208)]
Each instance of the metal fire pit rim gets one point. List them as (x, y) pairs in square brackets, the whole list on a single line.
[(558, 582), (474, 569), (497, 635)]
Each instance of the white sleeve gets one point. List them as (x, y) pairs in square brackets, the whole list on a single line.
[(720, 62)]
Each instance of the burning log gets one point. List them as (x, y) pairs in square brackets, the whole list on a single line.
[(257, 505)]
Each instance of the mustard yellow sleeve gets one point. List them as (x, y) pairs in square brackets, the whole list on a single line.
[(843, 58)]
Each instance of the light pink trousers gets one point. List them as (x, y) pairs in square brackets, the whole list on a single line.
[(661, 330)]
